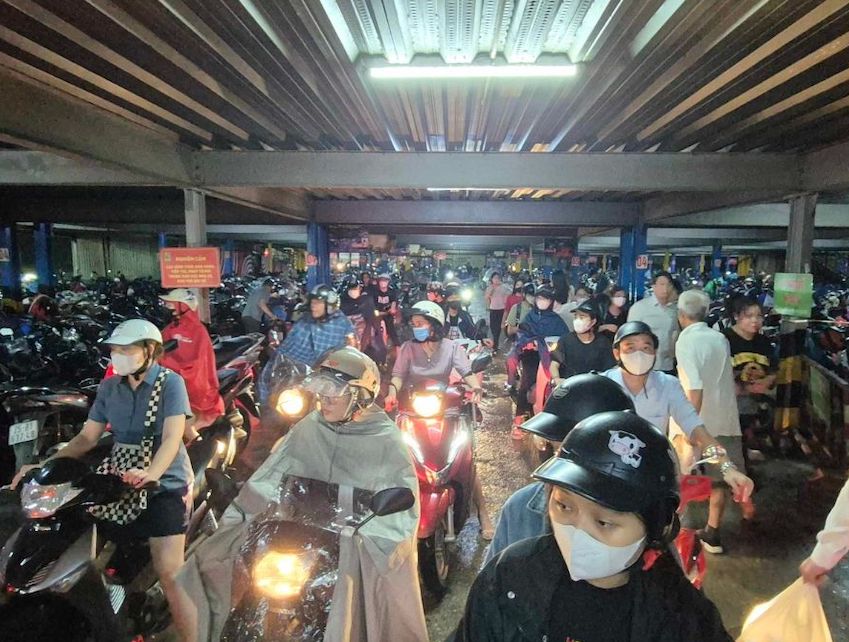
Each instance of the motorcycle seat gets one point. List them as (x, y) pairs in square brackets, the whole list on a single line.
[(226, 377), (229, 349)]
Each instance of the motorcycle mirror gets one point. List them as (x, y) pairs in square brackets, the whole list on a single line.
[(222, 489), (392, 500), (481, 362), (170, 345)]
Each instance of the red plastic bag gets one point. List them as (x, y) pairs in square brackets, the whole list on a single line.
[(794, 615)]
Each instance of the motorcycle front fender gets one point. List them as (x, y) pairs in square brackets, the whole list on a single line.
[(435, 504)]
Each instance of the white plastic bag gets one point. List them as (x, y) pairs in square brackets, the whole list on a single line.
[(794, 615)]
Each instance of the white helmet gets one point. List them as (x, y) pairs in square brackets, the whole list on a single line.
[(429, 310), (181, 295), (134, 331)]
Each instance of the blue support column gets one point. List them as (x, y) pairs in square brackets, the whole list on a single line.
[(626, 260), (640, 248), (318, 246), (44, 253), (163, 240), (10, 261), (229, 249), (716, 261)]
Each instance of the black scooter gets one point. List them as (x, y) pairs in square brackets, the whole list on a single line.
[(62, 577)]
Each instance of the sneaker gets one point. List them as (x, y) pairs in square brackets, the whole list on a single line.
[(711, 541)]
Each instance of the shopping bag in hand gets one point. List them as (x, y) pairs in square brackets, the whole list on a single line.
[(794, 615)]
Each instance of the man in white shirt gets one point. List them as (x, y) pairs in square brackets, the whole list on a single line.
[(707, 377), (659, 398), (659, 312), (832, 542)]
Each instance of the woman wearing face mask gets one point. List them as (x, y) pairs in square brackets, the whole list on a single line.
[(430, 355), (659, 397), (581, 294), (123, 402), (616, 314), (193, 359), (583, 350), (541, 322), (358, 306), (601, 574)]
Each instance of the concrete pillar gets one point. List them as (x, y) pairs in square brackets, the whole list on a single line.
[(716, 261), (640, 248), (800, 234), (626, 260), (10, 260), (229, 259), (318, 254), (195, 207), (43, 235)]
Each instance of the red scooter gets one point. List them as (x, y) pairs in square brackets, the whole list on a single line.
[(437, 421)]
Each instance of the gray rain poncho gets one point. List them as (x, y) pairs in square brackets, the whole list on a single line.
[(376, 597)]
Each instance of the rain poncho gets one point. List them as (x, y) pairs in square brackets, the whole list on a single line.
[(377, 596), (194, 360)]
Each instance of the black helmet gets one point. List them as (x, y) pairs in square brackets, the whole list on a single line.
[(435, 286), (546, 292), (351, 282), (633, 328), (592, 307), (529, 288), (324, 292), (572, 401), (623, 462)]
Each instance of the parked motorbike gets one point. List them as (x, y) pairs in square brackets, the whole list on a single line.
[(237, 362), (63, 578), (293, 556), (437, 421)]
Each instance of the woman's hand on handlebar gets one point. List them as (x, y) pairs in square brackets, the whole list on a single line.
[(138, 478), (390, 402)]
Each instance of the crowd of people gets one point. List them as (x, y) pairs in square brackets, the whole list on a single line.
[(627, 396)]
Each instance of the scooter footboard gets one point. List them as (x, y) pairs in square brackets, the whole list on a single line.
[(435, 504)]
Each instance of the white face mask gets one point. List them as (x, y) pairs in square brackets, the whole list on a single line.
[(125, 365), (637, 363), (619, 301), (582, 325), (588, 559)]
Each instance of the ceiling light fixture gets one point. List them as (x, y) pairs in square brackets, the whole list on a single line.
[(442, 72)]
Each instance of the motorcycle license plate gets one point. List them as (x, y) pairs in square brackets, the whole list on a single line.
[(23, 431)]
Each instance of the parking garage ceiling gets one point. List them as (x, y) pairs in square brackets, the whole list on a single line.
[(677, 105)]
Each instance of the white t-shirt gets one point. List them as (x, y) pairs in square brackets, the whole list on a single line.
[(663, 320), (704, 363)]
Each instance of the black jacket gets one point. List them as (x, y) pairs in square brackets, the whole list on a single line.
[(511, 598), (464, 322)]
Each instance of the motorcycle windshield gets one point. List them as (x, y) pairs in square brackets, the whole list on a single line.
[(291, 555), (279, 373)]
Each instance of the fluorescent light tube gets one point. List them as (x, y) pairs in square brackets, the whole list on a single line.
[(438, 72)]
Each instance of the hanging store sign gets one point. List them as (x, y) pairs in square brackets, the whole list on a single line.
[(4, 255), (794, 294), (576, 261), (312, 260), (642, 261), (190, 267)]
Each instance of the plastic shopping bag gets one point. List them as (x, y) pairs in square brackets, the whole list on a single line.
[(794, 615)]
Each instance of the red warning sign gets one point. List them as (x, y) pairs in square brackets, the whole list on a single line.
[(190, 267)]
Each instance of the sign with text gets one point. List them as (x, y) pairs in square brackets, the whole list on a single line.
[(794, 294), (190, 267), (642, 261)]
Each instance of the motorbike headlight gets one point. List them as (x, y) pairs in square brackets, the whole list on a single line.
[(39, 501), (279, 576), (466, 295), (427, 405), (291, 402)]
